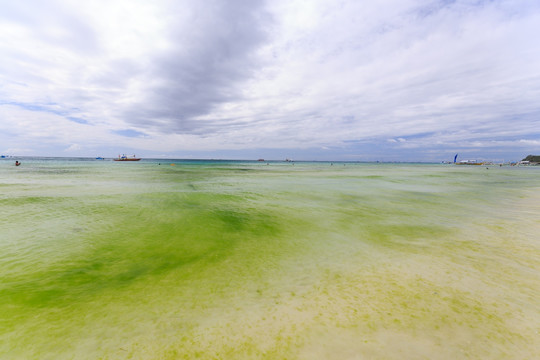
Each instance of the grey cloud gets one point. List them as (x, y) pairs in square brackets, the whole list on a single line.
[(206, 66)]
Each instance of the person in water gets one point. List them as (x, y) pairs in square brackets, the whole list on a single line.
[(17, 163)]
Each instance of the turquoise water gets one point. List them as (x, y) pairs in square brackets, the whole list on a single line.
[(174, 259)]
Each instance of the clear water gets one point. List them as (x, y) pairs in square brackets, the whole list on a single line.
[(243, 260)]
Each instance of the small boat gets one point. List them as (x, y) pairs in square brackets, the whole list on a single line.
[(125, 158), (469, 162)]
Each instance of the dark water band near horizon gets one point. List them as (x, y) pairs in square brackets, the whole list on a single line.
[(174, 259)]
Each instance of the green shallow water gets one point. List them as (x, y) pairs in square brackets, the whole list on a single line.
[(232, 260)]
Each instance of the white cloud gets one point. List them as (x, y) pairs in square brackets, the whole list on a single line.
[(195, 76), (73, 147)]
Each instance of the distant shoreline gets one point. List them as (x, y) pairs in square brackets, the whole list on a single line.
[(143, 159)]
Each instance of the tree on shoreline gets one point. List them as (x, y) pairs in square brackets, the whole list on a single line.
[(532, 158)]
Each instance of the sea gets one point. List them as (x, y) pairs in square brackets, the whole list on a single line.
[(213, 259)]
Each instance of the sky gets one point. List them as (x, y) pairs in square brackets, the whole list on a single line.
[(386, 80)]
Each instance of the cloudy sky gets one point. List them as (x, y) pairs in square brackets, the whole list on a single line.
[(400, 80)]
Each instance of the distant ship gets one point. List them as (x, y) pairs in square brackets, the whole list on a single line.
[(466, 162), (125, 158), (469, 162)]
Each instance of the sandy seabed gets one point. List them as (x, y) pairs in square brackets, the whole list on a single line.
[(249, 261)]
